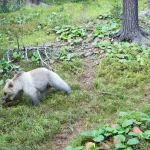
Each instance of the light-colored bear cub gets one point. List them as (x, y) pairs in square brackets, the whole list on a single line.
[(34, 83)]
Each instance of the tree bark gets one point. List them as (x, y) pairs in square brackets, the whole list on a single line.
[(130, 30)]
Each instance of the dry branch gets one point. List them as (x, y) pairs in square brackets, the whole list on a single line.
[(45, 53)]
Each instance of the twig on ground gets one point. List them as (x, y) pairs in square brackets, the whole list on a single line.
[(45, 52)]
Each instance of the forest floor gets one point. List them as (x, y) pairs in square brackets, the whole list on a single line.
[(106, 77)]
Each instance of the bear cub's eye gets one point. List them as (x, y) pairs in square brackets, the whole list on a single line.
[(5, 93), (10, 85)]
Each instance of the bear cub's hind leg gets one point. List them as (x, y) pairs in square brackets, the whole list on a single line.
[(43, 93)]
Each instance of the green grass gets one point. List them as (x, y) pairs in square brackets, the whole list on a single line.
[(31, 18), (34, 127), (71, 13), (128, 83), (24, 127)]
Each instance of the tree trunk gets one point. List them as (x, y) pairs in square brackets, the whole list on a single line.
[(130, 30)]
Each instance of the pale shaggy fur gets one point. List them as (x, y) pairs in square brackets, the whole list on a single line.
[(34, 83)]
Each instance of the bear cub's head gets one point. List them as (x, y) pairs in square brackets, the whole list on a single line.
[(9, 93)]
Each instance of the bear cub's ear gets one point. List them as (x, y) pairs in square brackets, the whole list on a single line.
[(10, 83)]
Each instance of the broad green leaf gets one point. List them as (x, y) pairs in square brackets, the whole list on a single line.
[(145, 119), (98, 138), (137, 122), (121, 131), (107, 134), (146, 134), (127, 123), (76, 148), (118, 127), (128, 148), (133, 141), (133, 134), (108, 129), (92, 133), (55, 57), (79, 148), (120, 145), (127, 130), (35, 54), (69, 148), (15, 55), (120, 137), (144, 115), (100, 131)]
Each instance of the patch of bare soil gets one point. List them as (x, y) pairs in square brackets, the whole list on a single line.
[(61, 140), (146, 97), (86, 79)]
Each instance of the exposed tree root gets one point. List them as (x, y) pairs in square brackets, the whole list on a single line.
[(144, 33), (139, 36)]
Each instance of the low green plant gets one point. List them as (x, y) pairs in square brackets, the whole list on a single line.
[(52, 20), (104, 16), (35, 57), (65, 54), (6, 69), (16, 56), (23, 18), (124, 134), (124, 51), (74, 148), (108, 28), (71, 34)]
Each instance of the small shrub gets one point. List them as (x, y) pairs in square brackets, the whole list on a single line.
[(7, 69), (23, 18), (72, 34), (109, 28), (125, 52), (125, 134), (65, 55)]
